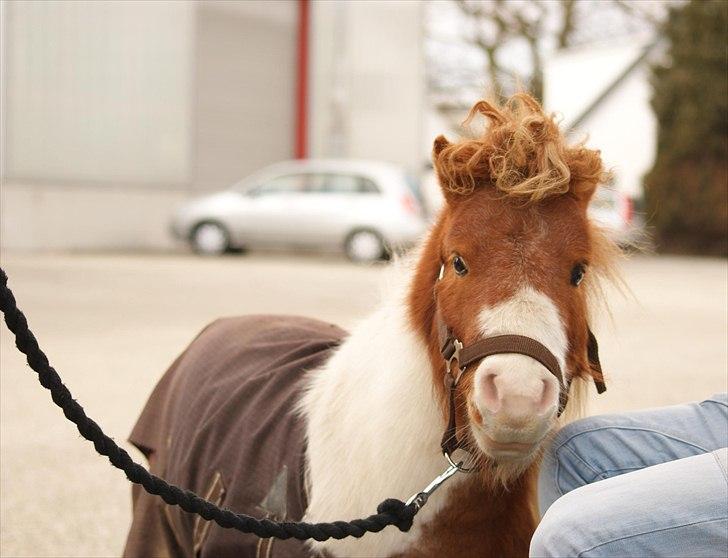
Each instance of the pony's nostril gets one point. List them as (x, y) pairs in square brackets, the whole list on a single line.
[(504, 396), (491, 398), (549, 397)]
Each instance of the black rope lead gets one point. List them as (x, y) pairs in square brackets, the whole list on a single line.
[(389, 512)]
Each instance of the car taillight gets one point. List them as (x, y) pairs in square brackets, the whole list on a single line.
[(410, 205), (627, 209)]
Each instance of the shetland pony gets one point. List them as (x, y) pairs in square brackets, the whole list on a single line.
[(511, 252)]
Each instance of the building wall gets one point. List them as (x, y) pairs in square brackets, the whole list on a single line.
[(623, 126), (96, 93), (367, 81), (113, 113), (42, 217), (245, 77)]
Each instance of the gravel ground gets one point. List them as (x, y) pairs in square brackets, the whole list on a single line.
[(112, 324)]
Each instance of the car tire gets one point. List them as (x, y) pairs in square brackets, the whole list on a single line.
[(210, 239), (365, 246)]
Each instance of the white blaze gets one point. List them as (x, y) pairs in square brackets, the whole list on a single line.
[(532, 314)]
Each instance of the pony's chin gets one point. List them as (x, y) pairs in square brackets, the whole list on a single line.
[(507, 461)]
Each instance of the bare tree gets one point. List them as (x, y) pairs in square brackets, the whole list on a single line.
[(568, 21), (491, 31), (497, 23), (515, 20)]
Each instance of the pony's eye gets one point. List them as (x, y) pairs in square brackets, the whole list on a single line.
[(459, 266), (577, 274)]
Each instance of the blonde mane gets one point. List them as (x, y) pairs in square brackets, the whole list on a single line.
[(521, 152)]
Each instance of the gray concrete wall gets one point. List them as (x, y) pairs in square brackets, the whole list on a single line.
[(115, 112), (40, 217), (367, 80), (245, 78), (97, 92)]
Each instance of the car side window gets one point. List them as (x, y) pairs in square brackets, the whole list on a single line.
[(367, 186), (331, 183), (287, 184)]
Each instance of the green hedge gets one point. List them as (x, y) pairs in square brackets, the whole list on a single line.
[(686, 192)]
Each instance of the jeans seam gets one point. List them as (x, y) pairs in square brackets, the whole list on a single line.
[(577, 456), (608, 471), (642, 429), (720, 466), (714, 401), (557, 474), (581, 554)]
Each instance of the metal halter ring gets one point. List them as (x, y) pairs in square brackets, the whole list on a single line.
[(458, 465)]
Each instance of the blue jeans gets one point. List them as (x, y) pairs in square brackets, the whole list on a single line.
[(662, 485)]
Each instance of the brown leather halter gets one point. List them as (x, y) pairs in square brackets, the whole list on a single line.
[(453, 351)]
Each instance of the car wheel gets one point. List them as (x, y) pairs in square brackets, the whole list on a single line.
[(210, 239), (365, 246)]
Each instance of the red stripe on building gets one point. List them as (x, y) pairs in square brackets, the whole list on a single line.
[(301, 139)]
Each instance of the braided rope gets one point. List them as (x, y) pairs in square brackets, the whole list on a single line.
[(389, 512)]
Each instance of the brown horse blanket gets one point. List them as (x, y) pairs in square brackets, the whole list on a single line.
[(222, 423)]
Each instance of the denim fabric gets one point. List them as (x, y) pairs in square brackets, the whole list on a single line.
[(665, 493)]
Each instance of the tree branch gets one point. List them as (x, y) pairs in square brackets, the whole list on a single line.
[(568, 9)]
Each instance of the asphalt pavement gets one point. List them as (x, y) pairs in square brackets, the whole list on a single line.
[(111, 324)]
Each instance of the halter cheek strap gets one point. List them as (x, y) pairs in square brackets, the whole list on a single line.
[(592, 353)]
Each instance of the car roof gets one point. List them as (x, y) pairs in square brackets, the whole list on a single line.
[(380, 171), (359, 166)]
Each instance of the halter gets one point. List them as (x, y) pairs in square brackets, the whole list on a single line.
[(455, 353)]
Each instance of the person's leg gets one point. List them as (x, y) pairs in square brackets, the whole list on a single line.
[(678, 508), (605, 446)]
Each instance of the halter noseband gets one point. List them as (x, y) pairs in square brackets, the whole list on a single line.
[(454, 352)]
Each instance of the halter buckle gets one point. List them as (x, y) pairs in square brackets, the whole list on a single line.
[(450, 378)]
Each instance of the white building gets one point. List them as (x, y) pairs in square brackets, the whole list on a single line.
[(603, 93), (113, 113)]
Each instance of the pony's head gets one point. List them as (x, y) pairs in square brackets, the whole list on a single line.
[(512, 252)]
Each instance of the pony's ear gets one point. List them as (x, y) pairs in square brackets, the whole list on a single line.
[(437, 147), (584, 191), (451, 182), (587, 172)]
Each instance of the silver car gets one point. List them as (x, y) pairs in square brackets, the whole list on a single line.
[(365, 208), (613, 210)]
